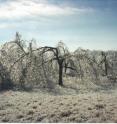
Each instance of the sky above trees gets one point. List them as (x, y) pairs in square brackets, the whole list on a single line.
[(90, 24)]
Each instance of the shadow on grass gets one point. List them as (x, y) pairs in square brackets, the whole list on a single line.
[(71, 88)]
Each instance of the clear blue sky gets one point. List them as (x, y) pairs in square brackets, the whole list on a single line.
[(90, 24)]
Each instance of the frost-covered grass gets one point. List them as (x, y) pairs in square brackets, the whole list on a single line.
[(79, 103)]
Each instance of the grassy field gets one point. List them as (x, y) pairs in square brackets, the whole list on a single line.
[(79, 103)]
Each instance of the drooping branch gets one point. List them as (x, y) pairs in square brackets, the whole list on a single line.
[(90, 60), (74, 69), (22, 56)]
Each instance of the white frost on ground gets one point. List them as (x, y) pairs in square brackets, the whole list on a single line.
[(64, 105)]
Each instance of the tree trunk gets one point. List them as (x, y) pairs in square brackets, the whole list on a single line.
[(61, 74), (106, 67), (105, 63)]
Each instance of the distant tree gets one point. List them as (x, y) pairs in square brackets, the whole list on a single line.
[(88, 63)]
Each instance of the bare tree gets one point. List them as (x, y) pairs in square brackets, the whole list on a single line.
[(59, 54)]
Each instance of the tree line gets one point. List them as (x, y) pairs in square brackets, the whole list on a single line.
[(21, 63)]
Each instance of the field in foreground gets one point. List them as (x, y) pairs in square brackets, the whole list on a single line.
[(40, 106)]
